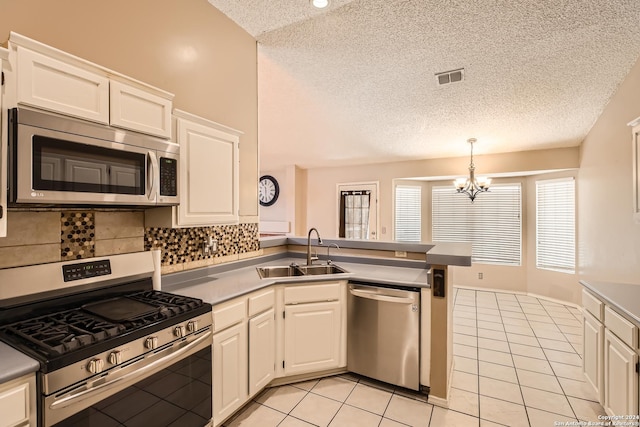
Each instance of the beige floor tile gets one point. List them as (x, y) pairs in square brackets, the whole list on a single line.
[(283, 398), (465, 351), (538, 380), (466, 340), (408, 411), (573, 339), (483, 324), (463, 321), (577, 348), (259, 416), (377, 384), (512, 314), (527, 350), (543, 326), (369, 398), (485, 423), (531, 364), (495, 357), (306, 385), (490, 311), (534, 311), (463, 401), (465, 330), (498, 372), (294, 422), (586, 410), (496, 345), (580, 389), (561, 321), (488, 317), (316, 409), (515, 322), (540, 333), (521, 330), (502, 412), (465, 381), (386, 422), (494, 335), (539, 418), (546, 401), (512, 308), (500, 390), (562, 370), (573, 330), (563, 357), (442, 417), (335, 388), (563, 314), (555, 345), (348, 416), (522, 339), (465, 365), (465, 314)]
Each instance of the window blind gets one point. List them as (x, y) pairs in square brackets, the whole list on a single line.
[(555, 225), (408, 216), (492, 223)]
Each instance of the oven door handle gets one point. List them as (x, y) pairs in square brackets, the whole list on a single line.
[(74, 398)]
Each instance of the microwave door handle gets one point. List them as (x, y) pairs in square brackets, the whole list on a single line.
[(153, 172)]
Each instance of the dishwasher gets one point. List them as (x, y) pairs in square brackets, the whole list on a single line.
[(383, 334)]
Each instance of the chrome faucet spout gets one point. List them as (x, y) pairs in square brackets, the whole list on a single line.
[(309, 259)]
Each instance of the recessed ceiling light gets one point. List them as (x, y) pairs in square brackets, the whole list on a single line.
[(320, 4)]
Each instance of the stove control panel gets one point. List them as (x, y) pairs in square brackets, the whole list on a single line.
[(86, 270)]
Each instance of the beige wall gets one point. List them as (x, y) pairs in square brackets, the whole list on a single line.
[(609, 238), (186, 47)]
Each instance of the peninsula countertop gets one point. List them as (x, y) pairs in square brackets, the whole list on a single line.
[(624, 297)]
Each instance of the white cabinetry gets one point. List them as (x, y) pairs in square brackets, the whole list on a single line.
[(209, 165), (47, 78), (313, 327), (17, 402), (620, 377), (592, 349), (4, 55), (261, 351)]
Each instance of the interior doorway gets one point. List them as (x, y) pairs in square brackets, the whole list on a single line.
[(358, 210)]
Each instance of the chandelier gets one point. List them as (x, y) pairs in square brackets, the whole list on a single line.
[(472, 186)]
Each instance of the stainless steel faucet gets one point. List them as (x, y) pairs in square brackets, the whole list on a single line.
[(309, 260), (328, 249)]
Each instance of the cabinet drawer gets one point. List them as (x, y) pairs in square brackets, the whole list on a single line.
[(312, 293), (228, 314), (620, 326), (261, 302), (593, 305), (57, 86), (135, 109)]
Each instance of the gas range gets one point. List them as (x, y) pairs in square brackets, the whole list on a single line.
[(98, 328)]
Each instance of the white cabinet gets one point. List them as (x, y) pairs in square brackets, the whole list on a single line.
[(261, 351), (17, 402), (593, 333), (4, 55), (620, 377), (229, 371), (314, 327), (139, 110), (209, 177)]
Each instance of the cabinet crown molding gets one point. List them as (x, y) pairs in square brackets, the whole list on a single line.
[(181, 114)]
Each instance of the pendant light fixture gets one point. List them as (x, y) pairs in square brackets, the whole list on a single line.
[(472, 186)]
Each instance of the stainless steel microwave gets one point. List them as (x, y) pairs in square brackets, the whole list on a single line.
[(57, 160)]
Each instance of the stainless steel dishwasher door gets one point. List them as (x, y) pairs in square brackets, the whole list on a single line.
[(383, 334)]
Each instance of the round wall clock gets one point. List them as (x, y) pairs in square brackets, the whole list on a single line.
[(268, 190)]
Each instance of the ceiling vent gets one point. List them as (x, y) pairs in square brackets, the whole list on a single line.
[(452, 76)]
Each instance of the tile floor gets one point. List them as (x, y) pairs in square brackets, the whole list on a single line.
[(517, 363)]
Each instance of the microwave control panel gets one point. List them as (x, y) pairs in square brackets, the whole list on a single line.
[(168, 177)]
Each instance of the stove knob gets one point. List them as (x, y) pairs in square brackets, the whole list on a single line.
[(192, 326), (95, 366), (115, 357), (179, 331), (151, 343)]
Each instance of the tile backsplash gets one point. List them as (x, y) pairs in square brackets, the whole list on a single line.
[(36, 237)]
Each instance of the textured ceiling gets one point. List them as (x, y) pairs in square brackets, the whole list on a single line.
[(355, 83)]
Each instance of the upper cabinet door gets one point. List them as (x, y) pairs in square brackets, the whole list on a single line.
[(210, 162), (57, 86), (135, 109)]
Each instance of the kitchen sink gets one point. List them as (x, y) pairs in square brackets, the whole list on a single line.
[(298, 270)]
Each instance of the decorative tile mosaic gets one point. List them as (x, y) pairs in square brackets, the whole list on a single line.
[(77, 235), (181, 245)]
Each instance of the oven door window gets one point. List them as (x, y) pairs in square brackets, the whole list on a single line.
[(67, 166), (178, 396)]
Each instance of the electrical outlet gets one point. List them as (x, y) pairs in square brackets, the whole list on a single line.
[(480, 275), (401, 254)]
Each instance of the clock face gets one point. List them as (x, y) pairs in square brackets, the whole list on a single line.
[(268, 190)]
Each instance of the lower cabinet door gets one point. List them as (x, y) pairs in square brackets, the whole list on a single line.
[(229, 371), (311, 337), (262, 351), (620, 377), (592, 353)]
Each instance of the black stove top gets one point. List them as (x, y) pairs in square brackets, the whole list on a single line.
[(90, 326)]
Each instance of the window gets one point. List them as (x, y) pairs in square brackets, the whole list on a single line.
[(556, 225), (492, 224), (408, 218)]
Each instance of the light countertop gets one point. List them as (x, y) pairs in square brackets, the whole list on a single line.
[(14, 364), (624, 297)]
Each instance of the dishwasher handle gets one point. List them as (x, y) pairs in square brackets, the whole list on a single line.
[(381, 297)]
